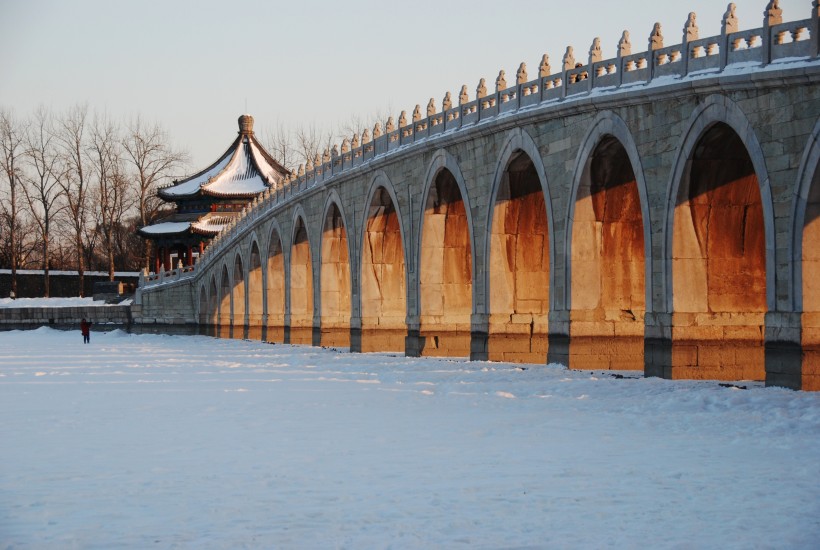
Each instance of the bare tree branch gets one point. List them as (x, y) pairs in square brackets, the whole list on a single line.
[(152, 160)]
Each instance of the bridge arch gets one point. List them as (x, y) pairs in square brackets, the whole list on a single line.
[(517, 278), (608, 245), (335, 284), (213, 302), (805, 256), (255, 283), (719, 269), (202, 305), (807, 176), (238, 290), (717, 109), (275, 297), (300, 280), (225, 296), (446, 260), (383, 269)]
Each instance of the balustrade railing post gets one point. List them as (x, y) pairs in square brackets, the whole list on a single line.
[(564, 83), (814, 29), (723, 47), (590, 76), (772, 16), (767, 42)]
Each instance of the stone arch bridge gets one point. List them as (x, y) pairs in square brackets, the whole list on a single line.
[(657, 211)]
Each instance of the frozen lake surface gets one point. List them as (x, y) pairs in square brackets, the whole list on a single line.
[(146, 441)]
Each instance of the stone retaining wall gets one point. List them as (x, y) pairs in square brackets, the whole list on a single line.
[(45, 316)]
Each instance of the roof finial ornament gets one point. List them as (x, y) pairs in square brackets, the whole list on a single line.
[(403, 119), (730, 22), (656, 38), (431, 107), (355, 143), (417, 113), (690, 29), (544, 69), (345, 146), (245, 124), (377, 128), (389, 126), (366, 135)]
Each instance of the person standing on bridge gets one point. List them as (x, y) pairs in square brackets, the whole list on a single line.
[(85, 329)]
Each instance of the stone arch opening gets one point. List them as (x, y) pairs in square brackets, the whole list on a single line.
[(255, 309), (719, 263), (519, 266), (335, 280), (203, 306), (225, 304), (238, 292), (383, 285), (213, 303), (445, 271), (275, 289), (810, 256), (301, 286), (608, 281)]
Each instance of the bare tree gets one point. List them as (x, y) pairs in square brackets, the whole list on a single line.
[(70, 132), (111, 189), (12, 146), (152, 159), (354, 125), (42, 188), (281, 146), (310, 142)]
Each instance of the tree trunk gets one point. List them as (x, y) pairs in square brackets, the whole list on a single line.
[(13, 236), (45, 267), (80, 263)]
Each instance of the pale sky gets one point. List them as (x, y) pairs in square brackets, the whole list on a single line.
[(196, 65)]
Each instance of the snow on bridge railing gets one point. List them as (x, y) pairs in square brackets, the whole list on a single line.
[(773, 41)]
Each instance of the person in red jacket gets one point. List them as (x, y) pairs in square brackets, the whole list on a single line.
[(85, 328)]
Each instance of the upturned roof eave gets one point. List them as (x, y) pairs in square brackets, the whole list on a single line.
[(231, 150)]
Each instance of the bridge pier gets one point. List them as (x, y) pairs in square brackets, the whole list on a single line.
[(479, 337), (413, 343), (558, 338), (355, 334), (784, 353), (658, 345)]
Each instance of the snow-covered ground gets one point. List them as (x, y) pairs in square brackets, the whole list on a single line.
[(146, 441)]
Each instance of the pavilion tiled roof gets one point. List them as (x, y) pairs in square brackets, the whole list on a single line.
[(243, 171)]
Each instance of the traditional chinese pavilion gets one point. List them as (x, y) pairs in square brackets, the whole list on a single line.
[(209, 200)]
